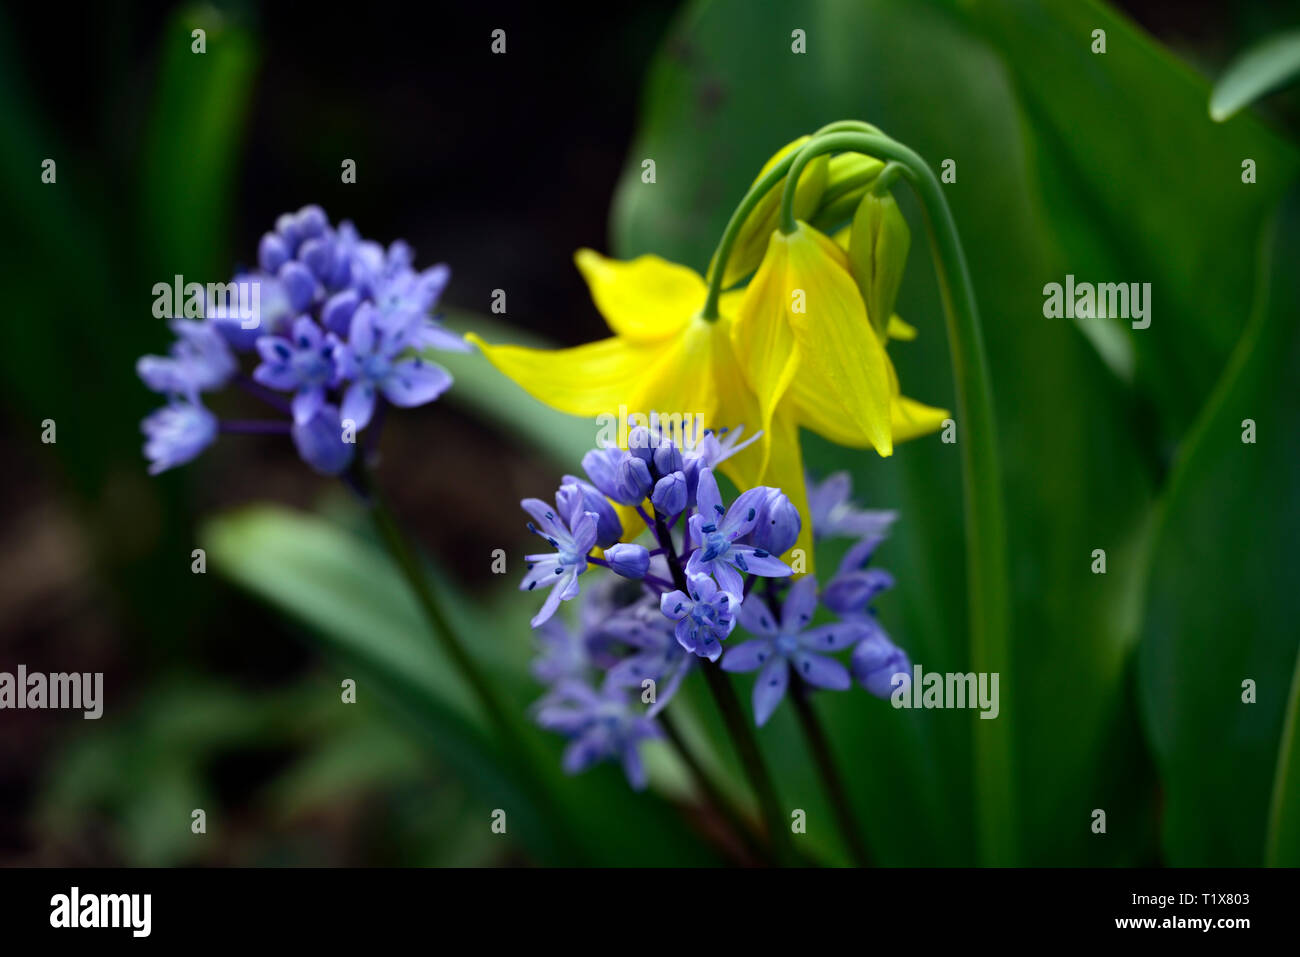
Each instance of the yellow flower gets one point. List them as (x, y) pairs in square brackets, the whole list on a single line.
[(758, 365)]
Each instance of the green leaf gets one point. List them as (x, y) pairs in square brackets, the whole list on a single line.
[(1284, 819), (1263, 68), (352, 598), (193, 142), (479, 386), (1131, 170), (1223, 604)]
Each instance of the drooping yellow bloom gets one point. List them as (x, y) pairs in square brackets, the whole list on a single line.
[(761, 364)]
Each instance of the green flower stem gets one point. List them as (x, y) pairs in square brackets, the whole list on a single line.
[(402, 552), (755, 195), (752, 198), (820, 746), (888, 176), (405, 555), (986, 562), (735, 821), (742, 736)]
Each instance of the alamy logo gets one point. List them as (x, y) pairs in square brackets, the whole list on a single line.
[(937, 689), (684, 429), (240, 300), (1115, 300), (75, 909), (80, 692)]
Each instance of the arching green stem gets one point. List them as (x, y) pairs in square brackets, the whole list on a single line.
[(986, 561), (752, 198), (888, 176), (738, 217)]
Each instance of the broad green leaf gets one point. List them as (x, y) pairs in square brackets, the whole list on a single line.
[(1255, 73), (1139, 185), (188, 169), (1284, 816), (1223, 604)]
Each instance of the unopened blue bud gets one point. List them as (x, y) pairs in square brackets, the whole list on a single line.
[(669, 497), (778, 524), (630, 561), (633, 481), (272, 253), (299, 284), (641, 443), (608, 528), (876, 660)]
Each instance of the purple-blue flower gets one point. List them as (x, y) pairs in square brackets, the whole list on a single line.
[(374, 364), (321, 444), (563, 654), (833, 514), (717, 529), (601, 726), (705, 616), (177, 433), (788, 643), (200, 361), (656, 655), (855, 586), (608, 527), (571, 531), (314, 286), (301, 363)]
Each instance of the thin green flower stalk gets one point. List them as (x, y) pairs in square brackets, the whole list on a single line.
[(986, 563)]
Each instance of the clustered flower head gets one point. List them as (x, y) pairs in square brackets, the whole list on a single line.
[(692, 569), (343, 326)]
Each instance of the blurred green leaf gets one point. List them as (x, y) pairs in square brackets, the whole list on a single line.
[(193, 143), (481, 387), (1132, 174), (1284, 817), (1222, 602), (352, 597), (1258, 71)]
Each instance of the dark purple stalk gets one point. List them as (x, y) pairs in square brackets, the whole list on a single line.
[(256, 426), (259, 391), (742, 736), (819, 745)]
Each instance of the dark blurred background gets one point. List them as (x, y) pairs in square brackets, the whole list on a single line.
[(501, 166)]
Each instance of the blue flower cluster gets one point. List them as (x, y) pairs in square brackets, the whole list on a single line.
[(704, 567), (342, 326)]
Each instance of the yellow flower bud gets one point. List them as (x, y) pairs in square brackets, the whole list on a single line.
[(879, 241)]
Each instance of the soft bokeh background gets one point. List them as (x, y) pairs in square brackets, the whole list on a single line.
[(222, 689)]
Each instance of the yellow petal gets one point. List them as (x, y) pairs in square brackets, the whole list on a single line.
[(818, 411), (588, 380), (838, 349), (646, 299), (737, 406), (680, 379), (762, 338), (912, 419), (900, 330)]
